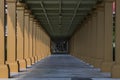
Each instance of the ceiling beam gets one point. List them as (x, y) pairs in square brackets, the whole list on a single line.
[(75, 12), (85, 9), (60, 13), (63, 14), (45, 13)]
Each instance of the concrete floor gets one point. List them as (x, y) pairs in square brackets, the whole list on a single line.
[(61, 67)]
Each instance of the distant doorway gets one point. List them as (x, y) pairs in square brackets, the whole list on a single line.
[(59, 47)]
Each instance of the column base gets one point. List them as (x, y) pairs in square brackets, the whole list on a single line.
[(92, 61), (33, 60), (29, 62), (98, 63), (106, 66), (39, 58), (36, 58), (14, 66), (116, 71), (88, 60), (22, 64), (4, 71)]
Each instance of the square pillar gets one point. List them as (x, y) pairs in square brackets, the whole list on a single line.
[(11, 38), (34, 39), (43, 45), (20, 31), (41, 53), (4, 69), (36, 42), (108, 61), (90, 38), (39, 57), (26, 37), (100, 36), (31, 39), (116, 66), (93, 37)]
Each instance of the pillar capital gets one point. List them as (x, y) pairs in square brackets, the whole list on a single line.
[(100, 7), (35, 20), (11, 1), (31, 16), (20, 6), (94, 13), (27, 12)]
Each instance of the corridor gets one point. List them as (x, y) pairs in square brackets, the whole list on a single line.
[(62, 67), (34, 34)]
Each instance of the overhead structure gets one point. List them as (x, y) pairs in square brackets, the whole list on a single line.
[(60, 18)]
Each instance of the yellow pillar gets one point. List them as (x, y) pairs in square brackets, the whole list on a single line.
[(72, 46), (90, 39), (73, 40), (44, 44), (42, 47), (34, 38), (87, 40), (26, 37), (108, 62), (4, 71), (116, 66), (100, 36), (32, 58), (20, 30), (11, 39), (49, 46), (31, 38), (36, 42), (39, 56), (93, 38), (41, 43), (75, 44)]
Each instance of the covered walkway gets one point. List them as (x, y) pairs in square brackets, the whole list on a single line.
[(32, 30)]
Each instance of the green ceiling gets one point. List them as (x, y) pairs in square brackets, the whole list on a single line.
[(60, 18)]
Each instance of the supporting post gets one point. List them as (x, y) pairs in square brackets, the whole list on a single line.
[(11, 39), (36, 42), (31, 39), (116, 66), (34, 39), (20, 31), (26, 37), (108, 61), (4, 69), (100, 36), (94, 39)]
